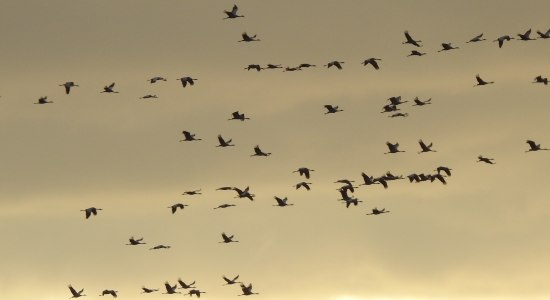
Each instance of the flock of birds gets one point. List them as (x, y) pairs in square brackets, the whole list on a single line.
[(347, 188)]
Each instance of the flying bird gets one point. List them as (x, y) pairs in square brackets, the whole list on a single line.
[(410, 40), (244, 193), (156, 78), (43, 100), (247, 290), (187, 80), (477, 38), (227, 239), (446, 170), (195, 292), (175, 207), (533, 146), (109, 88), (424, 147), (160, 247), (398, 115), (224, 143), (304, 172), (231, 281), (540, 79), (186, 286), (109, 292), (259, 152), (396, 100), (376, 211), (90, 211), (485, 160), (282, 201), (372, 61), (337, 64), (68, 85), (149, 97), (447, 47), (292, 69), (233, 13), (170, 289), (148, 291), (248, 38), (188, 137), (134, 242), (393, 148), (438, 176), (225, 205), (273, 66), (306, 65), (544, 35), (238, 116), (501, 40), (193, 192), (75, 293), (332, 109), (416, 53), (304, 185), (254, 67), (481, 81), (525, 36), (418, 102)]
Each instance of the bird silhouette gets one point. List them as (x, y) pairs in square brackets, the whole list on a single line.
[(282, 201), (477, 38), (109, 292), (193, 192), (393, 148), (369, 180), (156, 78), (544, 35), (399, 114), (149, 97), (306, 65), (481, 81), (304, 185), (337, 64), (248, 38), (332, 109), (225, 205), (134, 242), (231, 281), (447, 47), (376, 211), (90, 211), (485, 160), (416, 53), (224, 143), (396, 100), (259, 152), (372, 61), (254, 67), (244, 193), (389, 108), (438, 176), (148, 291), (304, 172), (502, 39), (525, 36), (171, 289), (68, 85), (533, 146), (75, 293), (43, 100), (446, 170), (348, 199), (227, 239), (158, 247), (410, 40), (187, 80), (233, 13), (292, 69), (272, 66), (109, 88), (188, 137), (175, 207), (195, 292), (540, 79), (418, 102), (247, 290), (424, 147), (186, 286), (238, 116)]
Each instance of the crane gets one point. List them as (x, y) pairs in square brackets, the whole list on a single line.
[(109, 292), (481, 81), (282, 202), (109, 88), (304, 185), (227, 239), (90, 211), (224, 143), (43, 100), (134, 242), (231, 281), (238, 116), (175, 207), (393, 148), (187, 80), (303, 171), (376, 211), (477, 38), (75, 293), (533, 146), (68, 85), (248, 38), (410, 40), (259, 152), (424, 147), (188, 137), (373, 62), (233, 13), (485, 160), (247, 290), (332, 109)]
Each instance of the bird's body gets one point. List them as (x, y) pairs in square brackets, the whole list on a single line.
[(175, 207), (540, 79), (90, 211), (416, 53), (304, 185), (418, 102), (232, 14), (188, 137), (75, 293), (533, 146), (399, 114), (148, 291), (424, 147), (273, 66), (372, 61), (477, 38), (187, 80), (304, 172), (306, 65), (393, 148), (259, 152), (481, 81), (109, 292), (485, 160), (109, 88), (332, 109), (225, 205), (282, 202), (158, 247), (238, 116), (410, 40), (43, 100), (149, 97), (193, 192), (335, 63), (224, 143), (248, 38), (376, 211), (447, 47), (68, 85), (247, 290), (134, 242), (157, 78), (227, 239)]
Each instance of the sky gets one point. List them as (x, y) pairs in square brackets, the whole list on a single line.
[(480, 236)]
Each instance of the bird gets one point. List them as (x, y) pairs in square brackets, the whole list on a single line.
[(282, 201), (148, 291), (376, 211), (186, 286), (223, 143), (156, 78), (231, 281), (75, 293), (481, 81), (225, 205), (292, 69), (304, 185), (373, 62), (485, 160), (396, 100), (175, 207), (109, 88), (228, 239), (170, 289), (534, 146), (540, 79), (303, 171), (446, 170), (398, 115), (149, 97), (248, 38), (272, 66), (393, 148), (43, 100), (238, 116), (332, 109), (193, 192), (416, 53), (438, 176), (389, 108), (244, 193), (349, 200), (68, 85), (187, 80), (369, 180), (134, 242), (424, 147), (525, 36), (188, 137), (418, 102), (544, 35), (247, 290), (410, 40), (259, 152), (335, 63), (195, 292), (345, 181), (254, 67), (477, 38), (390, 176), (418, 177), (447, 47), (91, 210), (501, 40), (233, 13), (306, 65), (109, 292), (160, 247)]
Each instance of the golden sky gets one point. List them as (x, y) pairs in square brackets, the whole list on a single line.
[(481, 236)]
